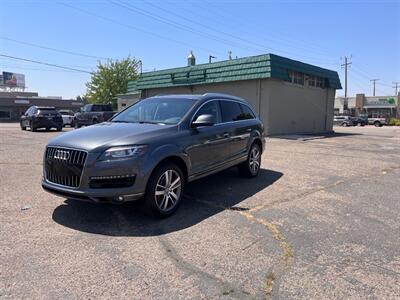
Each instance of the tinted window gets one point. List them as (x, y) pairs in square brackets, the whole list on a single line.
[(98, 107), (45, 112), (156, 110), (210, 108), (247, 113), (230, 110)]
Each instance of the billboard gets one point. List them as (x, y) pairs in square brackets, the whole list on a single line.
[(13, 80)]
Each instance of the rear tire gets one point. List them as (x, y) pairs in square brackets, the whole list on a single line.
[(59, 128), (344, 124), (22, 127), (251, 167), (377, 124), (164, 190)]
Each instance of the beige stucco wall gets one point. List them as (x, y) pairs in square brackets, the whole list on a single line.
[(284, 107), (298, 109)]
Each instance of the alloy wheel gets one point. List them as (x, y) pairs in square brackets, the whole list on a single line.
[(168, 190), (254, 159)]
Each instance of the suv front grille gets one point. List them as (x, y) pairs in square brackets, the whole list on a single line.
[(64, 166)]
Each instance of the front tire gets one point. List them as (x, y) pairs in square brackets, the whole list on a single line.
[(251, 167), (164, 190), (377, 124)]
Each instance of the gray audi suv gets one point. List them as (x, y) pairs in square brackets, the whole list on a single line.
[(152, 149)]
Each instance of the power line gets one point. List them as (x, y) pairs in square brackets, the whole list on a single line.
[(243, 24), (34, 69), (44, 63), (159, 18), (52, 49), (132, 27), (254, 46)]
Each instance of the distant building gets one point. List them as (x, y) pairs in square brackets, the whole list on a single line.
[(288, 95), (373, 106), (14, 104)]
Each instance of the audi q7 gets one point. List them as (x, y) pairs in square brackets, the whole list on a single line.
[(152, 149)]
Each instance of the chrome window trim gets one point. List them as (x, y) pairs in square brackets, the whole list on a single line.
[(218, 99)]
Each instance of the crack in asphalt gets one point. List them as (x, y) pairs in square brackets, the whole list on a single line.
[(287, 255), (190, 269), (323, 188)]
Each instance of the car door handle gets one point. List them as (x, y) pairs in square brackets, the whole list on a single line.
[(226, 134)]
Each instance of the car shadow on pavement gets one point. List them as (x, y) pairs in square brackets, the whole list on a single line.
[(223, 190)]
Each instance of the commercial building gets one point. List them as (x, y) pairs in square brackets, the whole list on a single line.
[(14, 104), (373, 106), (288, 95)]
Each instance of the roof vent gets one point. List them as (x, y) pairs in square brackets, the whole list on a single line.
[(191, 59)]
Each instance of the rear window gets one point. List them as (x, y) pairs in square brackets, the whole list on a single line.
[(66, 112), (231, 111), (106, 107), (247, 113), (46, 112)]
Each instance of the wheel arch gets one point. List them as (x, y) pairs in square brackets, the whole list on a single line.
[(179, 161)]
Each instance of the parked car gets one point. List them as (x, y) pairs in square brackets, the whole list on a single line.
[(360, 121), (92, 114), (41, 117), (68, 117), (378, 122), (152, 149), (343, 121)]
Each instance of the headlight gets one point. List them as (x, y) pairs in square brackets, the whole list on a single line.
[(123, 152)]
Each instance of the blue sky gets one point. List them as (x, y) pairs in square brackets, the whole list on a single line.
[(162, 33)]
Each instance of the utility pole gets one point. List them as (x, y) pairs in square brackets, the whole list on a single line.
[(396, 85), (374, 81), (210, 57), (345, 65)]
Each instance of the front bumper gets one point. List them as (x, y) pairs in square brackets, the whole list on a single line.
[(92, 170)]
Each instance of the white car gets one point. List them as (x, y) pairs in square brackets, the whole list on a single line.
[(68, 117)]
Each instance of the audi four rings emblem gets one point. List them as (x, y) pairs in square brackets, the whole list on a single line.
[(61, 154)]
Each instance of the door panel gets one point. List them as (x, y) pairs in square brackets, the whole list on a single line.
[(208, 148)]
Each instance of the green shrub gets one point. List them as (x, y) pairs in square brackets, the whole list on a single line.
[(394, 122)]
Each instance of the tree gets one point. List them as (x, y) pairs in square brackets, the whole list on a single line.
[(111, 79)]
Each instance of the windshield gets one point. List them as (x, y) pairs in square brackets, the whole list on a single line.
[(156, 110)]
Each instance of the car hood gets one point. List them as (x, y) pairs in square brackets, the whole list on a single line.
[(98, 137)]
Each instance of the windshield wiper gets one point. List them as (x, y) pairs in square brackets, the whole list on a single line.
[(121, 121), (150, 122)]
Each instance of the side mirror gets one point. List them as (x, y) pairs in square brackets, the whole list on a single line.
[(204, 120)]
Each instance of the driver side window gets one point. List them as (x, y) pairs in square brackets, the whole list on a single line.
[(210, 108)]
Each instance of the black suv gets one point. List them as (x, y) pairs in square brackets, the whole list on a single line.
[(152, 149), (41, 117)]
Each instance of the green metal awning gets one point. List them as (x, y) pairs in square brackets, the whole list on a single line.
[(247, 68)]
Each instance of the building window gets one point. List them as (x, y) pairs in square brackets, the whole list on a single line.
[(296, 77), (316, 81), (320, 82), (311, 81), (5, 114)]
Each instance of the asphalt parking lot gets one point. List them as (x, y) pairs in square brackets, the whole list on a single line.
[(320, 222)]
